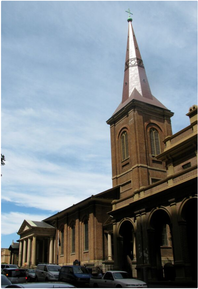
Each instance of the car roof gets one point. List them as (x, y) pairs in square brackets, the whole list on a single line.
[(116, 271), (72, 266), (13, 269), (42, 285)]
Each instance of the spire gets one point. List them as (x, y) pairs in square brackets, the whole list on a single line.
[(135, 85)]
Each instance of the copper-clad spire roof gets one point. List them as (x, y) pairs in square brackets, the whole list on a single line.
[(135, 85)]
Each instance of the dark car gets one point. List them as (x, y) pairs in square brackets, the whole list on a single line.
[(15, 275), (3, 266), (76, 275)]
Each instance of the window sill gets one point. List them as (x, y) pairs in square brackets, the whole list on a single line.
[(125, 162)]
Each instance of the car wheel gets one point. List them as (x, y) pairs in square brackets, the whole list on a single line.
[(95, 285), (46, 279), (118, 286), (36, 279)]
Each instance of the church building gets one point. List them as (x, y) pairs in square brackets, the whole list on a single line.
[(146, 223)]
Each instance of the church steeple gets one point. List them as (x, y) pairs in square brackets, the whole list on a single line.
[(135, 84), (138, 127)]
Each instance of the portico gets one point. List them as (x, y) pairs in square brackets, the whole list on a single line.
[(36, 244)]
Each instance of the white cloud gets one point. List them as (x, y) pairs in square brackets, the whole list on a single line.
[(11, 222), (45, 185)]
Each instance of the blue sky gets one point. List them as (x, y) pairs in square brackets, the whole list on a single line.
[(62, 68)]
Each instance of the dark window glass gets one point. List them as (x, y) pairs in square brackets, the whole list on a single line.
[(86, 237), (62, 241), (124, 145), (164, 238), (73, 238), (155, 142)]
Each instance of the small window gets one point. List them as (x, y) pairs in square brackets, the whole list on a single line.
[(186, 166), (155, 142), (86, 236), (124, 145), (153, 180)]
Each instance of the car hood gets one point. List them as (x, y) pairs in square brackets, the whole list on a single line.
[(82, 275), (131, 281), (54, 272)]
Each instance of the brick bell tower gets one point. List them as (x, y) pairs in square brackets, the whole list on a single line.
[(138, 127)]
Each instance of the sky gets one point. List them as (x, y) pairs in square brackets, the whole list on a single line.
[(62, 69)]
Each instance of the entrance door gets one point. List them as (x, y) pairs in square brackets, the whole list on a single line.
[(127, 235)]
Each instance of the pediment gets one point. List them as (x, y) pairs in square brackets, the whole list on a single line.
[(24, 227)]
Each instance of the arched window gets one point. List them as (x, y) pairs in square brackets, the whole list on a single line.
[(124, 145), (86, 235), (155, 142), (73, 238)]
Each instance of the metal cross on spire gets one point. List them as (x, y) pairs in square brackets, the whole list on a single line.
[(129, 13)]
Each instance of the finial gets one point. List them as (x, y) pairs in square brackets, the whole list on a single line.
[(129, 17)]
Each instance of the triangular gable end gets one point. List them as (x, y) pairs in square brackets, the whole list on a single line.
[(26, 225)]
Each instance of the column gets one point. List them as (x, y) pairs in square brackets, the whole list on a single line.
[(109, 247), (12, 258), (177, 247), (134, 261), (51, 250), (28, 251), (116, 247), (20, 253), (24, 252), (55, 250), (33, 255)]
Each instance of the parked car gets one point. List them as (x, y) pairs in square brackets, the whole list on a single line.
[(5, 281), (31, 275), (117, 279), (8, 266), (76, 275), (15, 275), (47, 272), (42, 285)]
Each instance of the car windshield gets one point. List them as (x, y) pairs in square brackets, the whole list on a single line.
[(120, 275), (54, 268), (31, 270), (80, 270)]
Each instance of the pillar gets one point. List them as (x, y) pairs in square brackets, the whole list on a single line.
[(33, 255), (28, 251), (134, 261), (24, 252), (20, 253), (116, 250), (109, 247), (51, 251), (177, 247)]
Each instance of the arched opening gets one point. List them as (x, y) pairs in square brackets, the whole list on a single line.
[(161, 250), (126, 233), (189, 215)]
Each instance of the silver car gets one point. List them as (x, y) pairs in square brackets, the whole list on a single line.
[(47, 272)]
